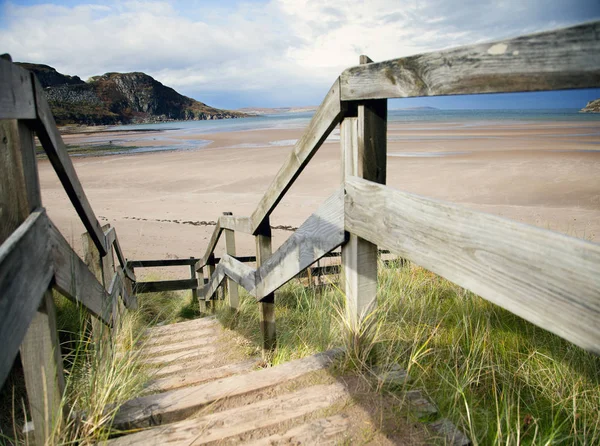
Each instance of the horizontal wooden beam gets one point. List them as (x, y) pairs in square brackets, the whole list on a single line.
[(325, 119), (322, 232), (49, 136), (165, 285), (237, 224), (16, 92), (229, 267), (547, 278), (161, 263), (25, 275), (555, 60), (74, 280)]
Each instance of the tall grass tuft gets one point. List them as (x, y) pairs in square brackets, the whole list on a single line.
[(102, 372), (499, 378)]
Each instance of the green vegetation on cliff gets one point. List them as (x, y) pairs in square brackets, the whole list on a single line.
[(118, 98)]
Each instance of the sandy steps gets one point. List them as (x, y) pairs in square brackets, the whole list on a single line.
[(198, 375), (192, 377), (242, 421)]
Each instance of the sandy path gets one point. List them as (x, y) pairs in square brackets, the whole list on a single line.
[(546, 174)]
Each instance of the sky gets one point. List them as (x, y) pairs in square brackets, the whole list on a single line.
[(273, 53)]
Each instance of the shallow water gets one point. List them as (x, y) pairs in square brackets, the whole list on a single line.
[(167, 135)]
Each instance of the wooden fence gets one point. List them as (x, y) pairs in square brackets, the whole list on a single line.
[(547, 278)]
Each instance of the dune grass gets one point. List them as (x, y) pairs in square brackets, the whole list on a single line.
[(101, 372), (500, 379)]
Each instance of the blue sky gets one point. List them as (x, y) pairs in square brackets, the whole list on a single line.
[(271, 53)]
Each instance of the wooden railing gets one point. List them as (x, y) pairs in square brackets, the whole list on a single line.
[(35, 258), (546, 278)]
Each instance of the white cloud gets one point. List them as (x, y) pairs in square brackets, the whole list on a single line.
[(281, 49)]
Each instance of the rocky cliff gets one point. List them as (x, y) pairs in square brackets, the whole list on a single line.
[(592, 107), (119, 98)]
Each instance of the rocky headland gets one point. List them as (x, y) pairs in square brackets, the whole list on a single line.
[(119, 98), (592, 107)]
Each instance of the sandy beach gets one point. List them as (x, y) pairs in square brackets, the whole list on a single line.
[(541, 173)]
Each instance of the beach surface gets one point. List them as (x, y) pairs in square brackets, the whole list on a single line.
[(164, 204)]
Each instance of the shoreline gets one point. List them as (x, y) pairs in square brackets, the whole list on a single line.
[(523, 172)]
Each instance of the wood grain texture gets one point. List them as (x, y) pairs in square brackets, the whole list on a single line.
[(40, 348), (16, 92), (177, 404), (237, 224), (364, 150), (23, 283), (322, 232), (225, 426), (325, 119), (50, 138), (42, 368), (165, 285), (14, 205), (266, 307), (544, 277), (562, 59), (74, 279)]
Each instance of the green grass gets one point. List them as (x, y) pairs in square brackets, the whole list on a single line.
[(499, 378), (100, 372)]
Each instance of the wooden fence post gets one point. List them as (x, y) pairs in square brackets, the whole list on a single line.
[(233, 295), (103, 269), (194, 275), (267, 305), (201, 300), (210, 269), (40, 349), (364, 151)]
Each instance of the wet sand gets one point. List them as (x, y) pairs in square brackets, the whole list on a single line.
[(542, 173)]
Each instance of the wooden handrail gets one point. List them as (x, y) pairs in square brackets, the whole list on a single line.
[(554, 60), (325, 119), (545, 277), (212, 243), (74, 280), (49, 136), (26, 271), (237, 224), (321, 233)]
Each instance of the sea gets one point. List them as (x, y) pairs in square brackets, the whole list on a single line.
[(429, 119)]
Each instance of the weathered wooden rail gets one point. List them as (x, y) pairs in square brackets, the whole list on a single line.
[(34, 256), (547, 278)]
